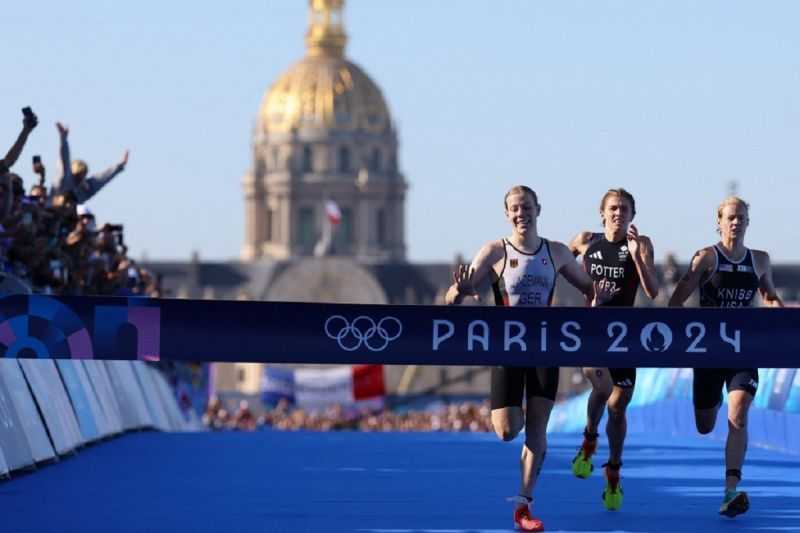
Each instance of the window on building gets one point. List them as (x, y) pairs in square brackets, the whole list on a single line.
[(270, 225), (276, 161), (306, 232), (381, 216), (345, 231), (376, 160), (308, 159), (344, 159)]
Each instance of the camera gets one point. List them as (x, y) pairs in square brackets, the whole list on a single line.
[(27, 112)]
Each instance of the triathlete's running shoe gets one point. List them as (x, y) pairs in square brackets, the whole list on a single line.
[(734, 504), (612, 494), (582, 465), (523, 521)]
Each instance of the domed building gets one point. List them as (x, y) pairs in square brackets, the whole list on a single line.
[(324, 135)]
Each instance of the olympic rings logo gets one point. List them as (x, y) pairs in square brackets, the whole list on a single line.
[(363, 331)]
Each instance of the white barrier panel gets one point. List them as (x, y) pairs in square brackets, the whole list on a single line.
[(79, 398), (32, 424), (65, 409), (44, 389), (151, 397), (3, 465), (127, 410), (193, 422), (103, 425), (96, 370), (13, 443), (135, 393), (177, 422)]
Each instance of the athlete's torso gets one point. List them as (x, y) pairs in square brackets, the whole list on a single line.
[(612, 261), (526, 280), (731, 284)]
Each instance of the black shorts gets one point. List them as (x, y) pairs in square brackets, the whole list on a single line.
[(509, 384), (623, 377), (707, 384)]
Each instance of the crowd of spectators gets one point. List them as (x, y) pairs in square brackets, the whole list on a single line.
[(462, 416), (50, 242)]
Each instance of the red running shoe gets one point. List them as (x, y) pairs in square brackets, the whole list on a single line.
[(523, 520)]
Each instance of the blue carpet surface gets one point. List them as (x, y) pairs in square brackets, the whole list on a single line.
[(383, 483)]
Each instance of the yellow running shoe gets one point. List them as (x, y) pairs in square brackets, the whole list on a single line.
[(582, 465), (612, 494)]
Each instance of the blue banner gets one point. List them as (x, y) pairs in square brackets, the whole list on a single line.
[(237, 331)]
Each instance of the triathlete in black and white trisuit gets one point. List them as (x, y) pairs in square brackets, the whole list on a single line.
[(525, 280), (625, 260), (522, 270), (728, 274)]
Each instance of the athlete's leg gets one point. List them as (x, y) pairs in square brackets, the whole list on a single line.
[(739, 402), (624, 380), (506, 401), (508, 422), (707, 397), (617, 425), (541, 385), (600, 378), (742, 386), (535, 448)]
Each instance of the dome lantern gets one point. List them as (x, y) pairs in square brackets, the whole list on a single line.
[(326, 35)]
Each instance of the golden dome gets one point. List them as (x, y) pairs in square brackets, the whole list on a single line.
[(324, 90)]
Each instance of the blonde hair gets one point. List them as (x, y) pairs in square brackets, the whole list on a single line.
[(732, 200), (520, 189), (79, 167)]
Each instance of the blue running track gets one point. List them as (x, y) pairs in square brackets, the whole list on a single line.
[(383, 483)]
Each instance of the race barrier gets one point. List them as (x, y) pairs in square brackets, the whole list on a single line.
[(49, 408), (662, 404), (36, 326)]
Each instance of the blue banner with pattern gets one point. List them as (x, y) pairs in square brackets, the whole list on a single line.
[(202, 330)]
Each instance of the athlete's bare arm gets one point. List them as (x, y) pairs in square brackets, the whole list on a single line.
[(765, 285), (702, 263), (469, 280), (572, 271), (580, 243), (641, 248)]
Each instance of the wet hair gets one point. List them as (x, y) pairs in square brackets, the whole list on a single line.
[(622, 193), (520, 189)]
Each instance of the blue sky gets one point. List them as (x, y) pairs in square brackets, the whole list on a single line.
[(670, 99)]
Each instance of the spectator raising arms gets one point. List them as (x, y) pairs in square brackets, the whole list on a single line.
[(74, 179)]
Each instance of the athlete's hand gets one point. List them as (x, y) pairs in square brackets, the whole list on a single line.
[(463, 280), (604, 291), (633, 239)]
